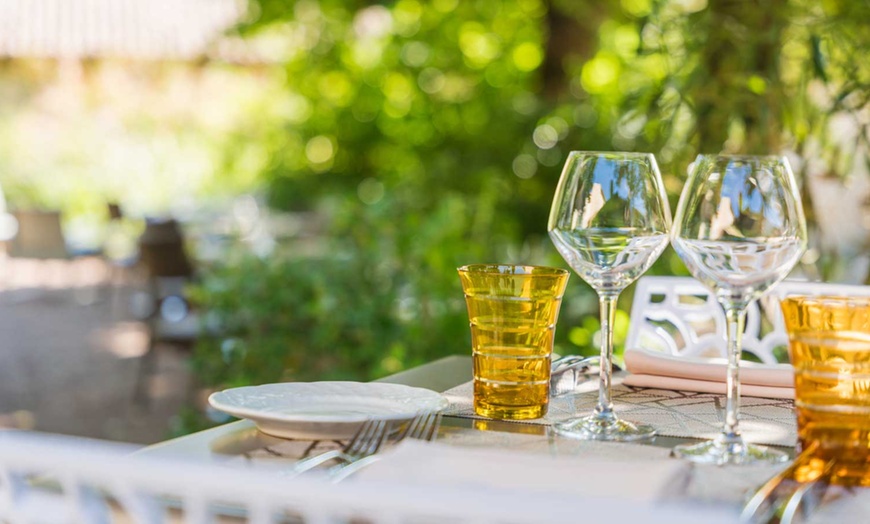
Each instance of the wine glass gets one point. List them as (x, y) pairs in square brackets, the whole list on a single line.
[(610, 222), (740, 229)]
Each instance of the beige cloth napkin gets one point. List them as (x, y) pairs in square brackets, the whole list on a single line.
[(436, 464), (650, 369)]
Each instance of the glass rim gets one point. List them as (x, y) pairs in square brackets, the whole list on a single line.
[(525, 270), (736, 156), (833, 300), (621, 153)]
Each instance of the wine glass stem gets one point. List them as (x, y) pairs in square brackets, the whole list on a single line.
[(736, 318), (608, 314)]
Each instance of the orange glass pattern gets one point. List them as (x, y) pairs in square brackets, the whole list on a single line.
[(512, 312), (829, 346)]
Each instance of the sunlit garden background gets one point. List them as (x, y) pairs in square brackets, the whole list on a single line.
[(331, 163)]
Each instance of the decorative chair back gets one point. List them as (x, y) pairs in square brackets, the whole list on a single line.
[(679, 316)]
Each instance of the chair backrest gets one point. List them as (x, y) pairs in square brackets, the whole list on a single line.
[(115, 211), (39, 236), (679, 316), (50, 478), (162, 250)]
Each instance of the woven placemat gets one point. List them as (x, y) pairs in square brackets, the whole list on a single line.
[(672, 413)]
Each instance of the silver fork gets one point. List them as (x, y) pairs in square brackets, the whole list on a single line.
[(423, 427), (768, 499), (367, 441), (807, 498), (567, 373)]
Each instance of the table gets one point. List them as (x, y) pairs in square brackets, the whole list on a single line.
[(440, 375), (726, 487)]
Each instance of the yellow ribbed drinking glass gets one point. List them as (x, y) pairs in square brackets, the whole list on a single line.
[(512, 312), (829, 347)]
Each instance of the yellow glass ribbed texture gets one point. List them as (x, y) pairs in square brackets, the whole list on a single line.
[(829, 347), (512, 312)]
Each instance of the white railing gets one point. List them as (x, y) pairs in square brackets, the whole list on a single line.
[(55, 479)]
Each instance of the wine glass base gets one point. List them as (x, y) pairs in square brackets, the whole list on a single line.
[(732, 451), (604, 427)]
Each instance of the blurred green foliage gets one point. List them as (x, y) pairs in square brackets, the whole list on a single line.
[(431, 134), (679, 78), (408, 127)]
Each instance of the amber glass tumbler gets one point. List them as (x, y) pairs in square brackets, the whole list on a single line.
[(512, 312), (829, 346)]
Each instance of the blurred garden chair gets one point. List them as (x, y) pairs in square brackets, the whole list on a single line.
[(167, 313), (37, 235), (120, 254)]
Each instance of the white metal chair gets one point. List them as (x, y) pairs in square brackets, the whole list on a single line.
[(55, 479), (679, 316)]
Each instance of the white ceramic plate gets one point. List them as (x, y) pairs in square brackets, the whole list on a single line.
[(323, 410)]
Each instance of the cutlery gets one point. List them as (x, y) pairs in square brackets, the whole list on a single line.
[(367, 441), (423, 427), (807, 497), (768, 499), (568, 372)]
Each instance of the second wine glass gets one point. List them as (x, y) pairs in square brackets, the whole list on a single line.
[(610, 222), (739, 229)]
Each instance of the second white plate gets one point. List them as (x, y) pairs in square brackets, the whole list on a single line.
[(324, 410)]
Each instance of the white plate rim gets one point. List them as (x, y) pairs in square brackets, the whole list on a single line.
[(429, 400)]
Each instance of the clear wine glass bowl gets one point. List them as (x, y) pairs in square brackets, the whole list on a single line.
[(740, 229), (609, 221)]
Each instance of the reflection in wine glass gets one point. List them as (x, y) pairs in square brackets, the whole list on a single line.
[(739, 229), (610, 222)]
